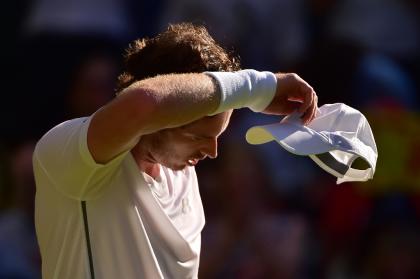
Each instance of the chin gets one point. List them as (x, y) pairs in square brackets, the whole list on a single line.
[(176, 167)]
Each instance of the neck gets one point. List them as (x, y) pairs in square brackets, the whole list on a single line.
[(145, 160)]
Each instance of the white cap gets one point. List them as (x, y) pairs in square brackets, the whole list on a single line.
[(334, 139)]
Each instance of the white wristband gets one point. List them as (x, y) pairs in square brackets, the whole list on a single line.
[(246, 88)]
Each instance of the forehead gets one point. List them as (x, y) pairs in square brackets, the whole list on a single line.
[(209, 126)]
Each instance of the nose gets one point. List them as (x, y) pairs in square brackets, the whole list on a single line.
[(210, 148)]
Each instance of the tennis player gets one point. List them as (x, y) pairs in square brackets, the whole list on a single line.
[(117, 192)]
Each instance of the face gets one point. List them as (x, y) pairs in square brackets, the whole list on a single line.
[(185, 146)]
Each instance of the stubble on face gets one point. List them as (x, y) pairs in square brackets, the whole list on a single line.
[(173, 149), (162, 150)]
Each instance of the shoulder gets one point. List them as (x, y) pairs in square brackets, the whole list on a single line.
[(69, 124), (65, 128), (64, 135)]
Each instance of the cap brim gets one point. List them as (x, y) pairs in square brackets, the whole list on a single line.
[(302, 140), (297, 139)]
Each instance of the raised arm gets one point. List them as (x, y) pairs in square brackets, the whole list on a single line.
[(147, 106), (169, 101)]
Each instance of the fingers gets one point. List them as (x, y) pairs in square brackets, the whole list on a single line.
[(301, 92), (294, 94), (310, 101), (310, 112)]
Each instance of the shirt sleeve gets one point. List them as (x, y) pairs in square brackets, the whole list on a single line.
[(62, 158)]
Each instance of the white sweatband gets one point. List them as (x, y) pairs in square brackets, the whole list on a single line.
[(246, 88)]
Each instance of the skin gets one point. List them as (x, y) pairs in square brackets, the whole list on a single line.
[(180, 147), (164, 120)]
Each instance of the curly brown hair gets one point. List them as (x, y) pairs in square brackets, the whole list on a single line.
[(182, 48)]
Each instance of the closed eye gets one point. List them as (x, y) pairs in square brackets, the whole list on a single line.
[(195, 137)]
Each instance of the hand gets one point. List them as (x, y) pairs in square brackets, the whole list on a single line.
[(293, 94)]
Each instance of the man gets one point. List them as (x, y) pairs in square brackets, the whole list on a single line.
[(117, 194)]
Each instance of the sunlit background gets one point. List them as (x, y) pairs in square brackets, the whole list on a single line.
[(269, 214)]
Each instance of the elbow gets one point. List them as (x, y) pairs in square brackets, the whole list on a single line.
[(142, 108)]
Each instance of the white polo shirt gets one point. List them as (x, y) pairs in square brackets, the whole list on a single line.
[(112, 221)]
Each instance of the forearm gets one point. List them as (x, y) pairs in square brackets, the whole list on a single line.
[(175, 100), (148, 106), (169, 101)]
